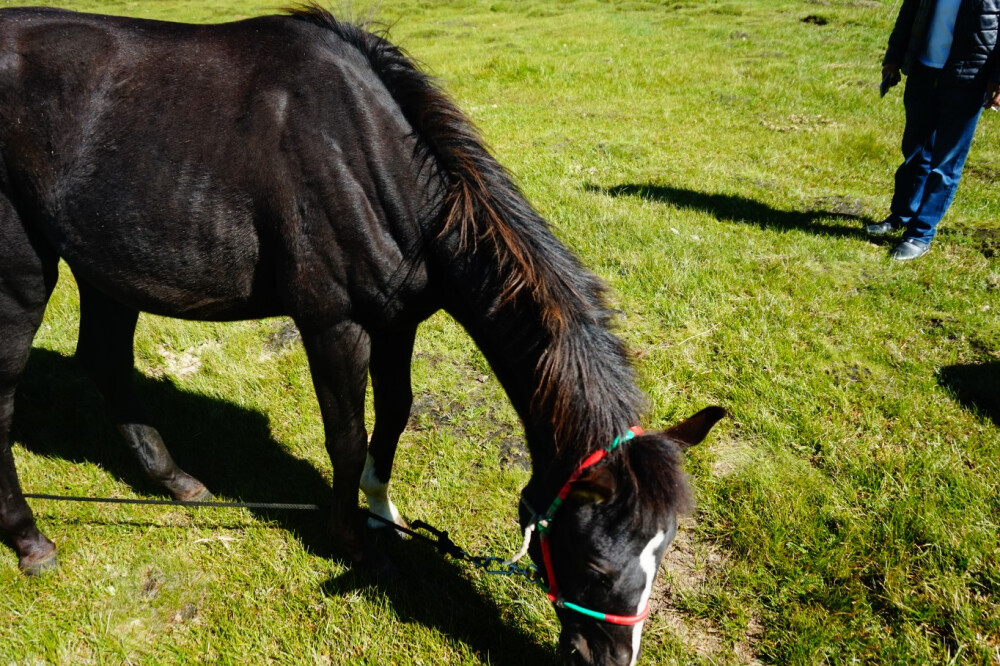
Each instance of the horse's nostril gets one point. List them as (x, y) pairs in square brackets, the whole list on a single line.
[(624, 655), (578, 651)]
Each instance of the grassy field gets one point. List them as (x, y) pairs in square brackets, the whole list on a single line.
[(714, 162)]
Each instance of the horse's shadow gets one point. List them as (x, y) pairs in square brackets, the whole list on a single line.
[(429, 590), (740, 209), (976, 386), (231, 450)]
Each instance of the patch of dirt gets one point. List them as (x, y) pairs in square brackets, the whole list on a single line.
[(687, 569), (185, 613), (840, 205), (283, 337), (868, 4), (800, 123), (730, 99), (982, 172), (731, 455), (853, 373), (152, 581), (815, 19), (513, 453), (426, 412), (181, 364), (759, 183), (988, 241), (488, 430)]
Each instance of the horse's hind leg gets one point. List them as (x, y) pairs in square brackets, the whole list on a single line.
[(105, 351), (28, 273), (390, 372)]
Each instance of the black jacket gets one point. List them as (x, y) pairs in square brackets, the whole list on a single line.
[(974, 56)]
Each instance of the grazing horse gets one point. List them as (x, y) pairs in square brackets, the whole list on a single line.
[(296, 165)]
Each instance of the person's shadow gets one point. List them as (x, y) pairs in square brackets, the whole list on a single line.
[(740, 209), (976, 386), (230, 449)]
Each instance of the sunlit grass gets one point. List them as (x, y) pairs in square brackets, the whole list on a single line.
[(713, 162)]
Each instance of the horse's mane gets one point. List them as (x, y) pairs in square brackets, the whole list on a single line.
[(584, 377)]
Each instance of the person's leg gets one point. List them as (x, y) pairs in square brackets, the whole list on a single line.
[(921, 102), (960, 109)]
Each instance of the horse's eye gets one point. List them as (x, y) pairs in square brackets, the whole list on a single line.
[(604, 578)]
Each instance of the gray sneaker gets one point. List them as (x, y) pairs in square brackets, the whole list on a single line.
[(909, 249), (882, 228)]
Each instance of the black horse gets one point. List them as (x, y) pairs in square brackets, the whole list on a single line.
[(296, 165)]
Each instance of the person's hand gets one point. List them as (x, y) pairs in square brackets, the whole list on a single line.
[(993, 96), (892, 71)]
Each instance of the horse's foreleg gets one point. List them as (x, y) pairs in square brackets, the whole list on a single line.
[(390, 372), (28, 273), (104, 349), (338, 359)]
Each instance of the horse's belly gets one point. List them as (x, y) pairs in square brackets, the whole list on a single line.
[(183, 299), (176, 271)]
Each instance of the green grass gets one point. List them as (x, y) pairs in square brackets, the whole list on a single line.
[(714, 162)]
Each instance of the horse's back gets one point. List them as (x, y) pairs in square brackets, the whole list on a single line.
[(199, 170)]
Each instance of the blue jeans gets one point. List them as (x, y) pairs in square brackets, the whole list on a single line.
[(940, 122)]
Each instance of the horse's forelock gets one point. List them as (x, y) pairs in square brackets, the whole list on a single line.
[(652, 482)]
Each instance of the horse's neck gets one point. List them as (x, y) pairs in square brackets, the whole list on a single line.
[(514, 342), (540, 320)]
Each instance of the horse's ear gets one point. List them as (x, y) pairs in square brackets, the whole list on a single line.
[(693, 430), (595, 485)]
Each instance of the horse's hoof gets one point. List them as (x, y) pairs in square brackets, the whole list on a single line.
[(204, 496), (36, 567), (381, 527), (186, 488), (197, 493)]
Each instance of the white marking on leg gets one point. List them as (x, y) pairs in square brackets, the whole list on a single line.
[(377, 493), (647, 561)]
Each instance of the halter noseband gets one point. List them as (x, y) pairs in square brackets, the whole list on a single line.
[(544, 525)]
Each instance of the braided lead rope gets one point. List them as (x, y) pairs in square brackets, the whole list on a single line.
[(524, 546), (441, 541), (195, 503)]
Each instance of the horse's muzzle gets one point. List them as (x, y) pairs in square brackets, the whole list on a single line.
[(596, 649)]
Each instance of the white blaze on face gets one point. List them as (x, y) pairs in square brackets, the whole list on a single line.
[(377, 493), (647, 561)]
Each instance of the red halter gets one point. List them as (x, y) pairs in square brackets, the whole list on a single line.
[(544, 524)]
